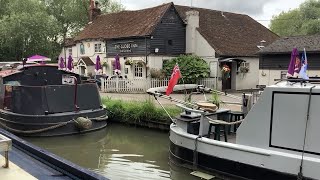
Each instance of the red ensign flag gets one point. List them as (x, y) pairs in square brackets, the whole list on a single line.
[(173, 80)]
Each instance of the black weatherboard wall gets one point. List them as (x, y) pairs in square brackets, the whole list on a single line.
[(281, 61), (170, 34), (128, 46)]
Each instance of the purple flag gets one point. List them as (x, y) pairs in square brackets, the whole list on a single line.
[(294, 63)]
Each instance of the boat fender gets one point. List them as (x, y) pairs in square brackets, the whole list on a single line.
[(83, 123)]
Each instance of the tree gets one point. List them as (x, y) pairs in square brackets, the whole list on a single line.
[(304, 20), (40, 26), (191, 67), (73, 15), (26, 29)]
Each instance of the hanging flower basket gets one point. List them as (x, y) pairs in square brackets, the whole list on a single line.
[(140, 63), (128, 62), (105, 64), (225, 72), (244, 69)]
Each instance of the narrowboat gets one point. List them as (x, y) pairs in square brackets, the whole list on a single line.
[(41, 100), (277, 139)]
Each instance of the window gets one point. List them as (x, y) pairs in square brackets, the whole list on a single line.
[(126, 70), (97, 48), (138, 70), (170, 42), (82, 51), (70, 51), (244, 67), (283, 74), (245, 64)]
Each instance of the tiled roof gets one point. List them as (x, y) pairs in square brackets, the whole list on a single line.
[(69, 42), (230, 34), (87, 60), (124, 24), (286, 44)]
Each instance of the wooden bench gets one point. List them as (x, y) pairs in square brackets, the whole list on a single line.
[(5, 145)]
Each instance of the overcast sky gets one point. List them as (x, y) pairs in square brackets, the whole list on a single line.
[(261, 10)]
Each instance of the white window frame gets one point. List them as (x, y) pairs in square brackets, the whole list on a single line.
[(138, 70), (245, 64), (70, 51), (97, 48)]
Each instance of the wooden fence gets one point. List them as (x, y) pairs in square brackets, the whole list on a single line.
[(141, 85)]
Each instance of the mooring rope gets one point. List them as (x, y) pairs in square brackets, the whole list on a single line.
[(100, 118), (223, 122), (34, 131), (173, 121), (300, 174)]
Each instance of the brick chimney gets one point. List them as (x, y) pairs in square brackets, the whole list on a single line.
[(94, 10), (191, 30)]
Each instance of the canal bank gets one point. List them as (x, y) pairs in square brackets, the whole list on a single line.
[(144, 111)]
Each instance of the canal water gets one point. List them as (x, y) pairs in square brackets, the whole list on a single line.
[(119, 152)]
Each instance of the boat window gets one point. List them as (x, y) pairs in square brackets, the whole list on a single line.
[(283, 74)]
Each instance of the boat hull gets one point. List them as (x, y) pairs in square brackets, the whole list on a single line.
[(226, 159), (58, 124)]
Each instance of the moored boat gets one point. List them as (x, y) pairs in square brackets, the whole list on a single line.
[(278, 138), (41, 100)]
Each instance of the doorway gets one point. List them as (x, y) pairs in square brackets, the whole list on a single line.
[(226, 77)]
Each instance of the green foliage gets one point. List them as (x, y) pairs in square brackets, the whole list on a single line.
[(133, 112), (304, 20), (215, 99), (26, 29), (31, 27), (192, 68), (156, 73)]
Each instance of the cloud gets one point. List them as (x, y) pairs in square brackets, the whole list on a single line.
[(237, 6)]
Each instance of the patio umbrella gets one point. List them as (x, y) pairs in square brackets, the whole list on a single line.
[(70, 63), (38, 58), (98, 67), (293, 64), (117, 65), (61, 63)]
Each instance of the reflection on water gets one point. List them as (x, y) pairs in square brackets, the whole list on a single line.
[(118, 152)]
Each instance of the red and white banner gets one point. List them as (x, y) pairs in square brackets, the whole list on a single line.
[(175, 76)]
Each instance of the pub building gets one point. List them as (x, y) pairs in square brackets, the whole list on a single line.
[(275, 58), (145, 39)]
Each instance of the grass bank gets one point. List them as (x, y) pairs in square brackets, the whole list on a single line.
[(143, 113)]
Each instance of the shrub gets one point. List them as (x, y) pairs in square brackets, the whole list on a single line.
[(191, 67), (157, 73), (133, 112)]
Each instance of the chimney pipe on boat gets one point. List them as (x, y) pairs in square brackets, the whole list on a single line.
[(75, 93)]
